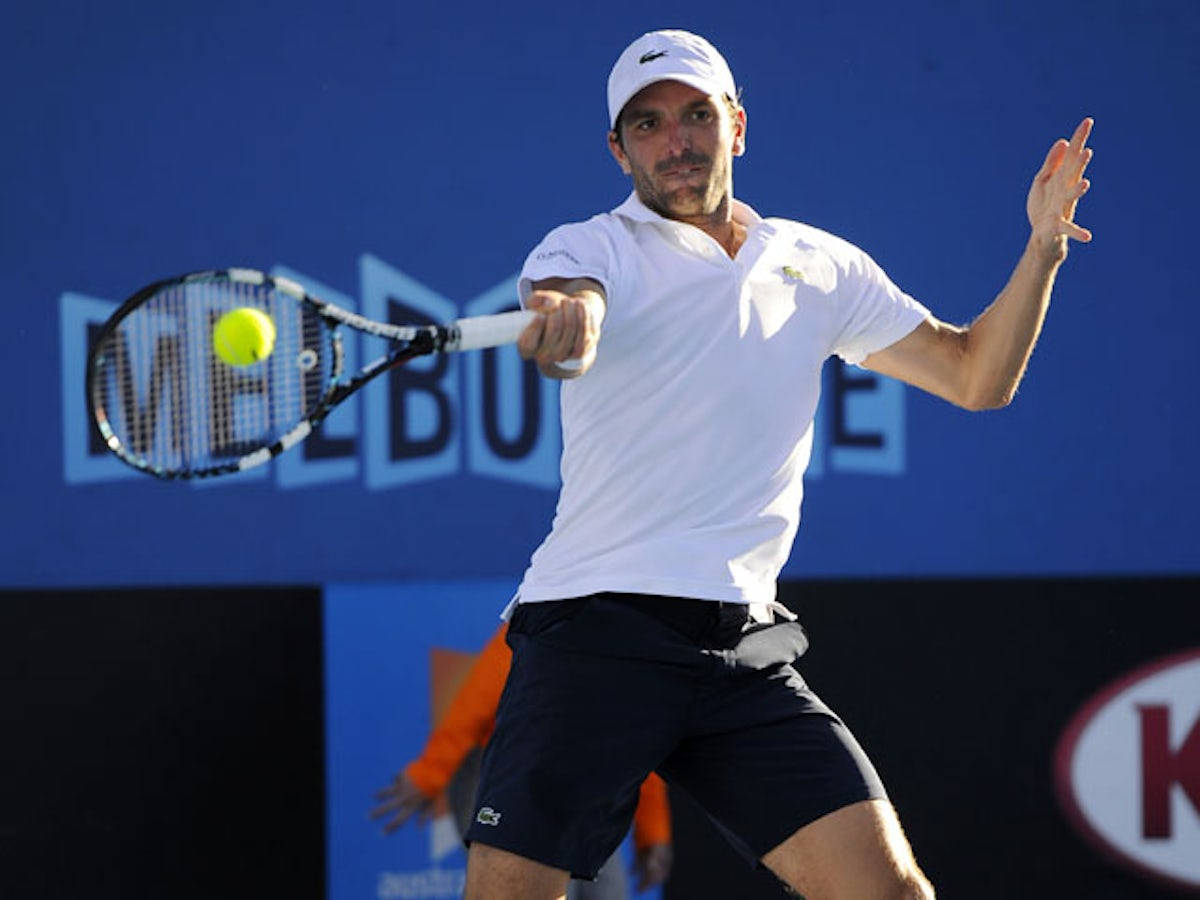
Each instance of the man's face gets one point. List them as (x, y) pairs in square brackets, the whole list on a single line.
[(679, 144)]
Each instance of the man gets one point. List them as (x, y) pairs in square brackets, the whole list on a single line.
[(690, 334)]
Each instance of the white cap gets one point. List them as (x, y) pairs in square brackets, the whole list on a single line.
[(667, 56)]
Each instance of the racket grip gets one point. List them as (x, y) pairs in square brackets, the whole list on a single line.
[(490, 331)]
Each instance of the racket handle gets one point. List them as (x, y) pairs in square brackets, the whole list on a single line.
[(490, 331)]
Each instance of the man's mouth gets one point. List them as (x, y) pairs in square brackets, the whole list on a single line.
[(683, 171), (685, 167)]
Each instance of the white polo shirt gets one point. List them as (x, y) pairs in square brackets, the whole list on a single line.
[(685, 444)]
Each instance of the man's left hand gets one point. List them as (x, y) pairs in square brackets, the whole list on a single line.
[(1056, 191)]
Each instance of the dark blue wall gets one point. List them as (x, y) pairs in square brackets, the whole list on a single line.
[(417, 152)]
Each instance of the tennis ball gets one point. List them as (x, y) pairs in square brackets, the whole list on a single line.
[(243, 336)]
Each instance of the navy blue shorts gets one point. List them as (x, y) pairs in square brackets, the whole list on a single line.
[(605, 689)]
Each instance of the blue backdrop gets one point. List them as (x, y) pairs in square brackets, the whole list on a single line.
[(411, 154), (377, 665)]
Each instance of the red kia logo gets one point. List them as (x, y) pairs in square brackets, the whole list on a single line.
[(1127, 770)]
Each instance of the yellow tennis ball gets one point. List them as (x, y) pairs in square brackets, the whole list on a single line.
[(243, 336)]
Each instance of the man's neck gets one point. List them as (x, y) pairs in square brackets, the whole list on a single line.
[(730, 235), (718, 225)]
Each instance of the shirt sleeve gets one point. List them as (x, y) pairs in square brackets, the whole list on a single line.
[(652, 820), (468, 721), (874, 312), (577, 250)]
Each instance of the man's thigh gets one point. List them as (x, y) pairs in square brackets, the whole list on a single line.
[(767, 758), (857, 851)]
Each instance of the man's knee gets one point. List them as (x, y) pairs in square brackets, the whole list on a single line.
[(914, 886)]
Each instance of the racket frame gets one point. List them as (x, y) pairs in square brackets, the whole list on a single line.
[(407, 342)]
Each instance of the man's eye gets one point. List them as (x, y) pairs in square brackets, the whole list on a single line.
[(702, 115), (644, 125)]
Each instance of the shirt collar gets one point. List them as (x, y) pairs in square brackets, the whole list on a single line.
[(636, 211)]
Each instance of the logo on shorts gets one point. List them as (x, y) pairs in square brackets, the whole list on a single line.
[(487, 816), (652, 55)]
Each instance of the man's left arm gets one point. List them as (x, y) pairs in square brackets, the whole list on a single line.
[(981, 365)]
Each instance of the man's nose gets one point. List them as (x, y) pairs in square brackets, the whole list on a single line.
[(679, 138)]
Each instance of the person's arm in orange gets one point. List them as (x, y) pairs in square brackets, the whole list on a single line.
[(468, 723), (652, 834)]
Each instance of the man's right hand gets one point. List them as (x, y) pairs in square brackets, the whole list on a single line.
[(562, 339)]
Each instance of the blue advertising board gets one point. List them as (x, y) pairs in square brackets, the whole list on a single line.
[(377, 681), (399, 156)]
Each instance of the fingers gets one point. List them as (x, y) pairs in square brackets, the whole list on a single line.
[(400, 800), (1074, 153), (1082, 132), (399, 807), (563, 325), (1077, 158), (1078, 154), (1059, 185), (531, 338), (1054, 158), (400, 813), (562, 330), (1077, 232), (395, 812), (1078, 163)]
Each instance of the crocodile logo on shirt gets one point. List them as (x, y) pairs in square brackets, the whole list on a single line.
[(487, 816), (791, 273)]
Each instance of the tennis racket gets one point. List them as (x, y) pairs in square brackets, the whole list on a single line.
[(168, 404)]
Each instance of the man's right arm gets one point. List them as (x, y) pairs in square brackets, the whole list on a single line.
[(562, 339)]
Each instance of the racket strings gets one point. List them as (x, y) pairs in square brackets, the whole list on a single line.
[(240, 403), (174, 406)]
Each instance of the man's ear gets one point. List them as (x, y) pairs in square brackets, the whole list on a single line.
[(614, 147), (739, 132)]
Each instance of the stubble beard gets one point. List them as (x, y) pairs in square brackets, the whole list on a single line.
[(687, 203)]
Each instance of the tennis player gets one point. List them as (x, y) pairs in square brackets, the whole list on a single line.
[(646, 635)]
